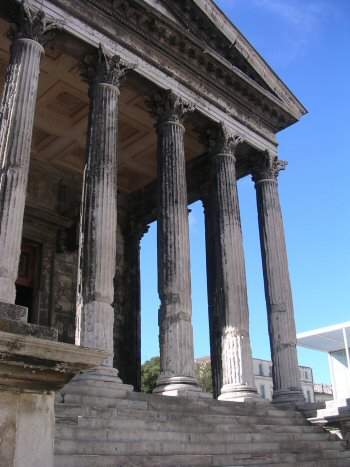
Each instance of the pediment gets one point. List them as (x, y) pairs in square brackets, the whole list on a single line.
[(219, 37)]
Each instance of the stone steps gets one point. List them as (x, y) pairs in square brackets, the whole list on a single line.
[(146, 430), (149, 414), (193, 461), (179, 426), (139, 445), (169, 433)]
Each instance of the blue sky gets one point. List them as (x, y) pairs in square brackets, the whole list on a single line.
[(307, 42)]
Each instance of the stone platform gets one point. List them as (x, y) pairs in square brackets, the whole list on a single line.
[(155, 431)]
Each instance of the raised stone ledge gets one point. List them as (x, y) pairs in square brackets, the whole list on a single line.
[(29, 363), (28, 329), (13, 312)]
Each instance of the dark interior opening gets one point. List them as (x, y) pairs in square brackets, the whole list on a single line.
[(27, 280), (24, 297)]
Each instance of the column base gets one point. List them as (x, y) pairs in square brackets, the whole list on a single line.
[(183, 386), (288, 397), (232, 392), (94, 385)]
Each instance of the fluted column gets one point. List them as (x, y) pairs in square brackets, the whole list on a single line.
[(99, 210), (127, 304), (17, 109), (174, 282), (230, 288), (282, 332), (213, 310)]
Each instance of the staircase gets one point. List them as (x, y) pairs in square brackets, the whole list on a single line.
[(142, 430)]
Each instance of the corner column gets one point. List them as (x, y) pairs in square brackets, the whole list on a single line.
[(230, 288), (278, 293), (17, 109), (177, 374), (95, 316)]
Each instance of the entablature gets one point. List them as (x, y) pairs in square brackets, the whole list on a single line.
[(96, 25)]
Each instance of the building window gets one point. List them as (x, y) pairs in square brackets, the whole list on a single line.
[(306, 374), (262, 391), (261, 370), (308, 396), (270, 371)]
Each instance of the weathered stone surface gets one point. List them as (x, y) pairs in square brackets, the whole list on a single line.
[(127, 302), (174, 281), (30, 370), (13, 312), (27, 425), (99, 215), (64, 292), (213, 309), (17, 109), (229, 320), (27, 329), (27, 362), (279, 301), (151, 431)]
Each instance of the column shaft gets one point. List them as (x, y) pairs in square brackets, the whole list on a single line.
[(213, 309), (282, 332), (100, 220), (174, 281), (17, 110), (95, 317), (230, 288), (127, 305)]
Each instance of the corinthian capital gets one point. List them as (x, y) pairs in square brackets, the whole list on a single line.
[(102, 68), (221, 140), (267, 167), (166, 106), (32, 24)]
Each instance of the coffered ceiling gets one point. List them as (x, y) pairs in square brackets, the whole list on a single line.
[(60, 127)]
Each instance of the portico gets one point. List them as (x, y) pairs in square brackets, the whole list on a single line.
[(98, 139)]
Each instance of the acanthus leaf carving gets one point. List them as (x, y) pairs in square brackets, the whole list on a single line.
[(267, 167), (33, 24), (103, 68), (166, 106), (221, 140)]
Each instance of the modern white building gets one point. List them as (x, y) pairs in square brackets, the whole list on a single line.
[(264, 385), (323, 392), (335, 341)]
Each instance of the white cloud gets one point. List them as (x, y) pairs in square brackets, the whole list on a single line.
[(305, 16)]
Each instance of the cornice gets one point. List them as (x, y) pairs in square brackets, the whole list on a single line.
[(235, 39), (196, 54)]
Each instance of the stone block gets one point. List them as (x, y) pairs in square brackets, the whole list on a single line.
[(31, 369), (13, 312), (27, 425), (28, 329)]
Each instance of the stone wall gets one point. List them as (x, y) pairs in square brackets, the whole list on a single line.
[(51, 221)]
